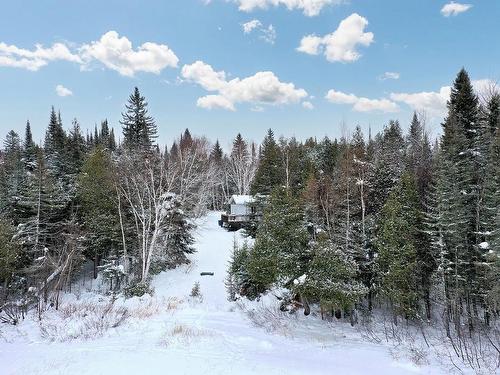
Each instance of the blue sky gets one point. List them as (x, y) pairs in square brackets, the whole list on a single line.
[(337, 76)]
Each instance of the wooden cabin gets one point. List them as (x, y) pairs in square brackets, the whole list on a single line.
[(240, 211)]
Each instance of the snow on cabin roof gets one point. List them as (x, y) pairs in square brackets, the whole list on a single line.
[(242, 199)]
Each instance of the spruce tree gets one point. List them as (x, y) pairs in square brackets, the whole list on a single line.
[(139, 129), (331, 279), (270, 171), (461, 147), (281, 253), (216, 154), (96, 190), (397, 243), (29, 148), (179, 237)]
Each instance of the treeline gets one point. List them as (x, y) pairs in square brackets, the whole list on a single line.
[(395, 222), (125, 207)]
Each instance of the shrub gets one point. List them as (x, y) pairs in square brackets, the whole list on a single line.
[(196, 292), (138, 290)]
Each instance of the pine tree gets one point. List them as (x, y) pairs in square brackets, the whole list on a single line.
[(461, 153), (9, 257), (490, 224), (216, 154), (328, 156), (270, 172), (388, 166), (281, 252), (139, 129), (238, 281), (397, 242), (55, 143), (112, 140), (493, 111), (419, 165), (186, 140), (29, 148), (179, 237), (12, 171), (76, 148), (331, 279), (96, 190)]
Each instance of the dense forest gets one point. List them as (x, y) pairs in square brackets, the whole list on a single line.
[(390, 223)]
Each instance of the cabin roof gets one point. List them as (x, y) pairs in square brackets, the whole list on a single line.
[(242, 199)]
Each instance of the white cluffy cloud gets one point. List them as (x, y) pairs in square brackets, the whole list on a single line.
[(267, 34), (15, 57), (389, 75), (63, 91), (360, 104), (308, 7), (259, 89), (434, 102), (116, 53), (342, 44), (307, 105), (454, 9), (249, 26), (111, 50)]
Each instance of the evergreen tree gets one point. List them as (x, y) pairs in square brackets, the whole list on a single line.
[(270, 172), (331, 279), (461, 153), (139, 129), (281, 252), (55, 143), (186, 140), (493, 111), (397, 242), (180, 237), (238, 281), (76, 148), (11, 173), (388, 166), (9, 256), (29, 148), (96, 190), (216, 154)]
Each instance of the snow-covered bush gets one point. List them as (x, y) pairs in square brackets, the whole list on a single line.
[(113, 273), (12, 313), (196, 292), (270, 318), (138, 290), (238, 281), (82, 320)]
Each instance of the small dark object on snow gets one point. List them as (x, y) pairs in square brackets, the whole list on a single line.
[(206, 274)]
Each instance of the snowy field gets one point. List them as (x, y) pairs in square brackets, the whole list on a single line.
[(172, 332)]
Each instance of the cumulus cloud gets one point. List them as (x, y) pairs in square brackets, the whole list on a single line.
[(259, 89), (434, 102), (15, 57), (307, 105), (389, 75), (360, 104), (454, 9), (267, 34), (117, 53), (63, 91), (113, 51), (342, 44), (309, 7), (249, 26)]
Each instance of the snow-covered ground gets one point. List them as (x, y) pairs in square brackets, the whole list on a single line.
[(172, 332)]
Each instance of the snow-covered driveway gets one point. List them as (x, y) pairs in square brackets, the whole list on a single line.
[(213, 336)]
